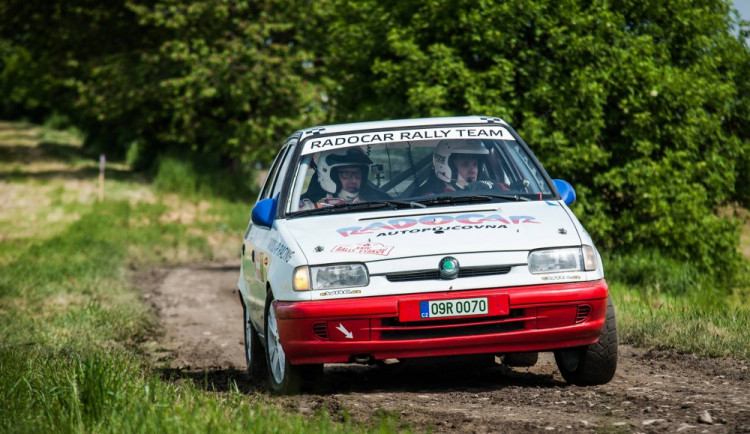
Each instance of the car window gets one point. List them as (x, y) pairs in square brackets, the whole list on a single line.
[(336, 173), (283, 167), (269, 185), (521, 166), (270, 176)]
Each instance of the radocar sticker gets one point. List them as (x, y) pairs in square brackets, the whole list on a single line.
[(317, 144), (405, 225)]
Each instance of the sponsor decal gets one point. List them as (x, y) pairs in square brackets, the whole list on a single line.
[(317, 144), (281, 250), (440, 229), (571, 277), (341, 292), (261, 266), (364, 248), (347, 333), (404, 225)]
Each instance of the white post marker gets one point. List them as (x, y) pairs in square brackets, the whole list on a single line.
[(102, 164)]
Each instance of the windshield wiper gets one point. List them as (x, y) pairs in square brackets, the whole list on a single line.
[(372, 204), (449, 200), (392, 203), (513, 197)]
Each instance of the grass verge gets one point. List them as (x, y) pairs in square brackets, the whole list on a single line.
[(90, 390), (72, 325), (666, 304), (702, 322)]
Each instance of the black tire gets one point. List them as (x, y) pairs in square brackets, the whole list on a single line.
[(283, 377), (521, 360), (593, 364), (255, 357)]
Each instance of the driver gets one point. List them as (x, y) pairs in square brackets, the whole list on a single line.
[(342, 174), (457, 164)]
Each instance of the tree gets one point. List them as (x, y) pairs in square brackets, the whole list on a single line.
[(217, 77), (643, 106)]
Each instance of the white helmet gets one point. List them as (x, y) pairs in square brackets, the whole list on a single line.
[(445, 169), (330, 161)]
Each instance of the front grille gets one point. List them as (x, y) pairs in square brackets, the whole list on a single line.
[(320, 330), (410, 276), (393, 329), (483, 271), (583, 312), (414, 275)]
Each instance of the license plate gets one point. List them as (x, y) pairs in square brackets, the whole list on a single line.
[(455, 307)]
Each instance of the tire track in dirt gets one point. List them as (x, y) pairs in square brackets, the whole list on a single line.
[(653, 391)]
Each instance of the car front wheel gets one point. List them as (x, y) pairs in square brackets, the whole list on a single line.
[(284, 377), (593, 364), (254, 355)]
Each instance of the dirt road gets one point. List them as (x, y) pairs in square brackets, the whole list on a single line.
[(653, 391)]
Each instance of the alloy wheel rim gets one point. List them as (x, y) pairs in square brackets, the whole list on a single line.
[(248, 340), (276, 356)]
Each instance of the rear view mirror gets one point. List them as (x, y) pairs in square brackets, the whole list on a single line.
[(567, 193), (264, 213)]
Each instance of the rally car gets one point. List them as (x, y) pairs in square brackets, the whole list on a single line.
[(404, 239)]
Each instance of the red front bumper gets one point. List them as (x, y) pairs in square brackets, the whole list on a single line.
[(524, 318)]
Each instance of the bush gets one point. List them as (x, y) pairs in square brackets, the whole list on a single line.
[(642, 106), (193, 176)]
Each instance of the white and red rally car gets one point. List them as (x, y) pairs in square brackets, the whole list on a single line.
[(418, 238)]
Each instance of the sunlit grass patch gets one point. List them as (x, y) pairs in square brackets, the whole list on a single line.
[(31, 147), (72, 290), (75, 321), (702, 322), (19, 134), (94, 247)]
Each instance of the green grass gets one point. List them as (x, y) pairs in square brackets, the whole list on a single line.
[(42, 390), (666, 304), (72, 327), (202, 176), (702, 322)]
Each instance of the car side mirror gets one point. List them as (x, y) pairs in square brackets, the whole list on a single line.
[(264, 213), (567, 193)]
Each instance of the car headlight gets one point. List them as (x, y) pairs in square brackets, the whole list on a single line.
[(301, 279), (339, 276), (589, 258), (560, 260)]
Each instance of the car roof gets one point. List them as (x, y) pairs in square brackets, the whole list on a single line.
[(401, 123)]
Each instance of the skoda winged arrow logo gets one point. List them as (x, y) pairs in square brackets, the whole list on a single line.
[(448, 268)]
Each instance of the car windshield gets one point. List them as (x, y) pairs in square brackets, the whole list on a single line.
[(414, 168)]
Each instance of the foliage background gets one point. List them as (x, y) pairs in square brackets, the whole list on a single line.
[(642, 105)]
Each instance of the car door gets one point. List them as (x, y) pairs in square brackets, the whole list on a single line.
[(255, 255)]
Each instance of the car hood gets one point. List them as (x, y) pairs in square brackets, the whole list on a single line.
[(378, 235)]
